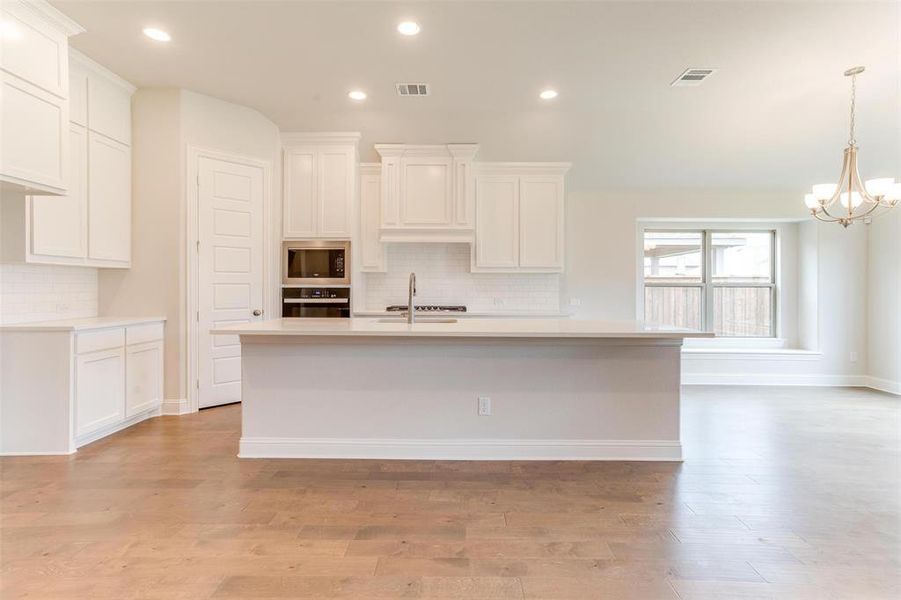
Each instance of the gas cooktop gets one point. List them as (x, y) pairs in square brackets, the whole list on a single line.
[(427, 308)]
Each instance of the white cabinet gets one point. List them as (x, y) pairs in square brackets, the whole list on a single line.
[(66, 385), (427, 192), (59, 225), (144, 374), (99, 390), (91, 224), (372, 251), (109, 194), (34, 90), (519, 217), (320, 188)]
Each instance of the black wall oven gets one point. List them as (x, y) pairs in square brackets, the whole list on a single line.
[(324, 302)]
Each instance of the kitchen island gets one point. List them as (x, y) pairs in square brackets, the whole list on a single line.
[(382, 388)]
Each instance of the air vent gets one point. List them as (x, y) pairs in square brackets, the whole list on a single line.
[(412, 89), (692, 77)]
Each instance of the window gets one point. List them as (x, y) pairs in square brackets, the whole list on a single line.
[(711, 279)]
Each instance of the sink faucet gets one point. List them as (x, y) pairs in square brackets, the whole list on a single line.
[(411, 310)]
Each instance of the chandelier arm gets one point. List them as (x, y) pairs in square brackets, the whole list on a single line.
[(841, 179), (856, 181), (829, 220)]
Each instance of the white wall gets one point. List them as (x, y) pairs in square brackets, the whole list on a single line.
[(443, 277), (601, 273), (165, 123), (884, 302)]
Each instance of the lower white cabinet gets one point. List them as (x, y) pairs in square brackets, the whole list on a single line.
[(519, 218), (143, 377), (66, 384), (99, 390)]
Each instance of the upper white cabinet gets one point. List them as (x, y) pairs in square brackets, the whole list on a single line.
[(519, 217), (34, 93), (372, 251), (320, 189), (427, 192), (109, 199), (91, 224)]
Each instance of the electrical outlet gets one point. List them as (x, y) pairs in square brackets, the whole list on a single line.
[(575, 302), (854, 357), (484, 406), (498, 301)]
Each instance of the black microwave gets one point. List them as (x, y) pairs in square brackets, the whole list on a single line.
[(316, 262)]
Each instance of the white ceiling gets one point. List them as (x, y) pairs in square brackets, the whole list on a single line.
[(774, 116)]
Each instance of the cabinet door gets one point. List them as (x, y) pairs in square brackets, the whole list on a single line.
[(33, 50), (426, 192), (78, 94), (372, 251), (109, 199), (335, 191), (143, 377), (109, 108), (300, 212), (540, 223), (99, 390), (497, 222), (59, 224), (33, 143)]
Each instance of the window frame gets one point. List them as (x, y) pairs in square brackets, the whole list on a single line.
[(707, 285)]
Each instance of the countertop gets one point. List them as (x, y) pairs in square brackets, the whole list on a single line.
[(516, 314), (465, 328), (80, 324)]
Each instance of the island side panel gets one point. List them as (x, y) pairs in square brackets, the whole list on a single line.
[(351, 397)]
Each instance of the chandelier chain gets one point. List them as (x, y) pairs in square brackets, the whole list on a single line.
[(851, 139)]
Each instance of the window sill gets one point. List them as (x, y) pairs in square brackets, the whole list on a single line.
[(704, 353)]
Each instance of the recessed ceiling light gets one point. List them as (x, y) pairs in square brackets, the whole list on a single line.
[(548, 94), (408, 28), (357, 95), (157, 34)]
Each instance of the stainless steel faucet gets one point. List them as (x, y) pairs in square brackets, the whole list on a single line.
[(411, 310)]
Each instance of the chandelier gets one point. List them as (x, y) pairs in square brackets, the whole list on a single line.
[(850, 200)]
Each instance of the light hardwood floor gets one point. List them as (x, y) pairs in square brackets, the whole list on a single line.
[(784, 493)]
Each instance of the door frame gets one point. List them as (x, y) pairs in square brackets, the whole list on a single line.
[(191, 341)]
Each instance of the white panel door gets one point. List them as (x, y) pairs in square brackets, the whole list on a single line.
[(99, 390), (143, 377), (540, 223), (59, 224), (230, 276), (336, 187), (497, 222), (109, 193), (301, 177)]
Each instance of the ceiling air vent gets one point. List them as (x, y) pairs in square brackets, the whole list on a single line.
[(692, 77), (412, 89)]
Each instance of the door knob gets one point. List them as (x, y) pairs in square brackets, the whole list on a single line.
[(257, 312)]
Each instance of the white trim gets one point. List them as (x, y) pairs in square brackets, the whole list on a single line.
[(50, 14), (884, 385), (290, 138), (111, 429), (461, 449), (41, 453), (175, 406), (102, 71), (774, 379), (191, 299), (742, 354)]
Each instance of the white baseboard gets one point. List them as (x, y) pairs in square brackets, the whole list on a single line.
[(884, 385), (175, 406), (774, 379), (461, 449), (111, 429)]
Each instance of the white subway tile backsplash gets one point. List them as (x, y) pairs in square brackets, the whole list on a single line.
[(46, 292), (443, 277)]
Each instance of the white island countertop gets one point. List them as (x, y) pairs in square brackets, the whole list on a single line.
[(464, 328)]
